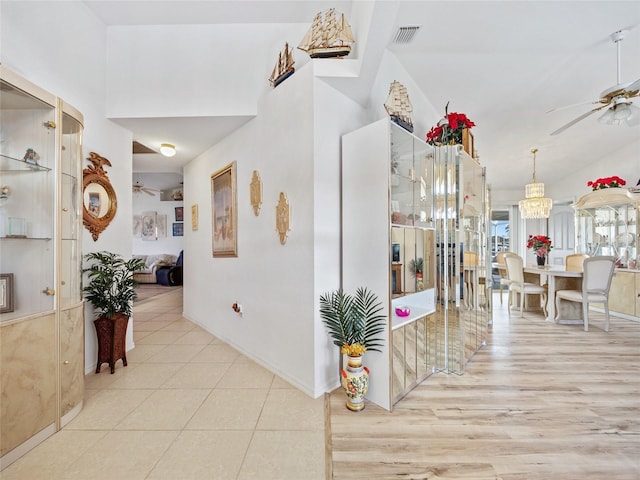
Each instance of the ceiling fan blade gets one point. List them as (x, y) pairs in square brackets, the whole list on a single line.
[(634, 86), (573, 105), (148, 191), (574, 121)]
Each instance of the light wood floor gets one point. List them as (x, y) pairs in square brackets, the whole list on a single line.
[(541, 401)]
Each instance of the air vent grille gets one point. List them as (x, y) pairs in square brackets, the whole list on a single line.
[(405, 34)]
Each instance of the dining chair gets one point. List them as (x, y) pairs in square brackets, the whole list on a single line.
[(573, 262), (515, 274), (596, 282), (504, 280)]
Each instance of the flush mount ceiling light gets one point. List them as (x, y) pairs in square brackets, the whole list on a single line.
[(167, 149), (535, 205)]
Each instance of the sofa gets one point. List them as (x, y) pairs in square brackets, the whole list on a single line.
[(151, 265), (170, 276)]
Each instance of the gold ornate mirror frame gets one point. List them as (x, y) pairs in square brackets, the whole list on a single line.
[(99, 202)]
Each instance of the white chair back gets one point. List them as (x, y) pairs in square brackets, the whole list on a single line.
[(514, 265), (597, 274)]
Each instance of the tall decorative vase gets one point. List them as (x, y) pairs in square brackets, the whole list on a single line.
[(355, 381), (541, 259)]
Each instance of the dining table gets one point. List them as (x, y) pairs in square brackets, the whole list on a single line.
[(556, 277)]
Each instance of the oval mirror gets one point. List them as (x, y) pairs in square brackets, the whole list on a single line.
[(99, 203)]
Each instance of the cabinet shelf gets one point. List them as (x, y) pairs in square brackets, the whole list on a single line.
[(11, 164), (24, 238)]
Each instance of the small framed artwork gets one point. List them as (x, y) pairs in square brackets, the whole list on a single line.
[(149, 226), (162, 225), (6, 292), (224, 203), (178, 229), (137, 226), (179, 214), (194, 217)]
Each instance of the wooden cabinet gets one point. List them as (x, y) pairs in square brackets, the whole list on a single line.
[(624, 294), (42, 319)]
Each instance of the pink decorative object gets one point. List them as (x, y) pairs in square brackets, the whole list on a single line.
[(403, 311)]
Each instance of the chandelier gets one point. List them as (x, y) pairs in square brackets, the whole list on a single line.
[(535, 205)]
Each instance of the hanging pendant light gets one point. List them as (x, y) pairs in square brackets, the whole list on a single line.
[(535, 205)]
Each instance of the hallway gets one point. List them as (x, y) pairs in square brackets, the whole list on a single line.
[(188, 407)]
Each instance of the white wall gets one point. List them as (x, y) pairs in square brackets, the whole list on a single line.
[(203, 70), (294, 142), (61, 47)]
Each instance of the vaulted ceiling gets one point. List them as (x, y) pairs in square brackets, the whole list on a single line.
[(503, 63)]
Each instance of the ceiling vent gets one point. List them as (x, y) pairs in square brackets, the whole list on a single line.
[(405, 34)]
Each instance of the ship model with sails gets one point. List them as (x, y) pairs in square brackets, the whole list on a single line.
[(398, 106), (283, 68), (328, 37)]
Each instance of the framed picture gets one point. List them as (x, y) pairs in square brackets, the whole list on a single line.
[(178, 229), (161, 221), (6, 292), (224, 205), (179, 214), (137, 226), (194, 217), (149, 226)]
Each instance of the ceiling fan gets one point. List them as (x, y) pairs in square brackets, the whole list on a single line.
[(616, 99), (139, 188)]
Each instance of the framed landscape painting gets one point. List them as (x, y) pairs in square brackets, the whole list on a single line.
[(224, 204)]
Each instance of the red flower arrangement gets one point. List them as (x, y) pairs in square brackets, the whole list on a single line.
[(608, 182), (541, 244), (448, 131)]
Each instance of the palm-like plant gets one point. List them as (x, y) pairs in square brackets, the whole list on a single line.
[(416, 266), (354, 321), (111, 288)]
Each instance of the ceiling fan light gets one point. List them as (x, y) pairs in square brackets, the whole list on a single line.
[(622, 112), (167, 150), (607, 117)]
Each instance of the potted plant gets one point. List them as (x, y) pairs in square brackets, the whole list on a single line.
[(354, 323), (111, 291), (541, 246), (416, 267)]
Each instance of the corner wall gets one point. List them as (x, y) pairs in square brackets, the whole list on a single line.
[(294, 143)]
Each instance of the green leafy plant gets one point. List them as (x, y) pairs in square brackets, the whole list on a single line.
[(354, 321), (111, 288), (416, 266)]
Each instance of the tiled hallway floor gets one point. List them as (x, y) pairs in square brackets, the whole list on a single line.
[(188, 406)]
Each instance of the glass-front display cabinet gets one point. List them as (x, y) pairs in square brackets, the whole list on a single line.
[(388, 246), (607, 224), (463, 280), (41, 307), (415, 232)]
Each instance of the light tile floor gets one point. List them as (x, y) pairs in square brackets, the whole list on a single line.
[(188, 406)]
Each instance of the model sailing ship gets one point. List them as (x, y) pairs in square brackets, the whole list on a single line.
[(329, 38), (398, 106), (284, 67)]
